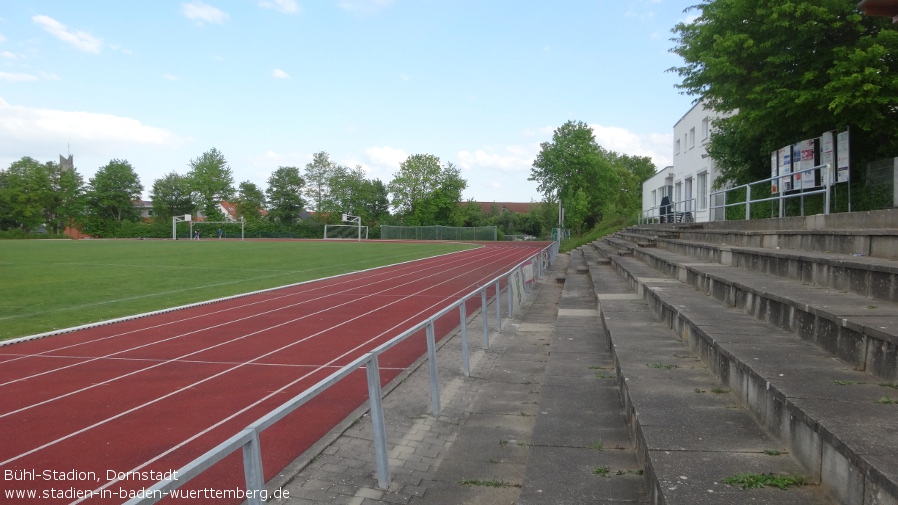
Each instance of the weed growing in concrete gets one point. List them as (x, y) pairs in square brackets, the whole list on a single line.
[(848, 383), (487, 483), (772, 452), (601, 470), (699, 390), (755, 480), (719, 391), (889, 385), (597, 446), (885, 400), (661, 365)]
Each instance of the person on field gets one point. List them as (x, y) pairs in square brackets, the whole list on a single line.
[(219, 234)]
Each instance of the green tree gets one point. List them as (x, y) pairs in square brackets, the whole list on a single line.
[(25, 191), (110, 196), (472, 214), (532, 222), (212, 180), (427, 193), (65, 203), (375, 200), (632, 172), (285, 195), (172, 196), (574, 162), (317, 176), (250, 201), (781, 71)]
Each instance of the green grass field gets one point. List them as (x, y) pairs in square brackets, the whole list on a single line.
[(52, 284)]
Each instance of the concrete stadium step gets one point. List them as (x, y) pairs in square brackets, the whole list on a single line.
[(858, 329), (872, 233), (830, 418), (856, 273), (581, 450)]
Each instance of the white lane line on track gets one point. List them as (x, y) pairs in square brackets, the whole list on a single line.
[(270, 395), (377, 274), (100, 423), (180, 358)]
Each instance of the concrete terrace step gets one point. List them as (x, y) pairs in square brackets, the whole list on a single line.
[(857, 329), (827, 415), (872, 233), (854, 273)]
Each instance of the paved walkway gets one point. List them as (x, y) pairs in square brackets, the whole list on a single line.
[(538, 421)]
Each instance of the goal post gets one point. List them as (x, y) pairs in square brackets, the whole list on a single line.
[(345, 232)]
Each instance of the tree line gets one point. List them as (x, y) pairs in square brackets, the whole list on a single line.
[(295, 202)]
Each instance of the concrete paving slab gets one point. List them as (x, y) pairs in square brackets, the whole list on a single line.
[(701, 482), (590, 476)]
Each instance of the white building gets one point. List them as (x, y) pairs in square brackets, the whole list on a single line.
[(688, 182)]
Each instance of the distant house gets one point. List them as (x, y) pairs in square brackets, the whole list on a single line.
[(145, 207), (229, 210)]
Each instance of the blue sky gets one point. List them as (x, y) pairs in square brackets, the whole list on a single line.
[(478, 83)]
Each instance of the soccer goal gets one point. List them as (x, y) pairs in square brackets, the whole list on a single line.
[(345, 231)]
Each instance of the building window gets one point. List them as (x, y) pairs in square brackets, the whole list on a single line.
[(677, 147), (702, 191), (691, 142), (705, 129)]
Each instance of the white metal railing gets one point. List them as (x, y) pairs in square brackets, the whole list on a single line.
[(681, 211), (248, 439), (780, 196)]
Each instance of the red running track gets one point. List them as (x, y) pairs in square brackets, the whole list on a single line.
[(151, 394)]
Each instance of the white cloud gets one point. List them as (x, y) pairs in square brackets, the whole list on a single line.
[(364, 6), (8, 55), (515, 159), (170, 77), (5, 76), (25, 129), (386, 156), (200, 12), (657, 146), (285, 6), (81, 40), (279, 74), (2, 38)]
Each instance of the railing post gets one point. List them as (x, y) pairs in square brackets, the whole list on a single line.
[(381, 457), (498, 308), (747, 202), (434, 377), (510, 294), (486, 329), (252, 469), (465, 351)]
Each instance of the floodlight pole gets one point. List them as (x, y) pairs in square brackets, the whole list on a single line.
[(349, 218)]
